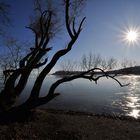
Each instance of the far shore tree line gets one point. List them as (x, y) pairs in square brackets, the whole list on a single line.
[(88, 61), (15, 51)]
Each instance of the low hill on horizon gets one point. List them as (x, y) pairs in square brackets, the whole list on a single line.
[(125, 71)]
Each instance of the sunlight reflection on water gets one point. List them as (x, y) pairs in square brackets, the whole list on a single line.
[(134, 113), (105, 97), (130, 101)]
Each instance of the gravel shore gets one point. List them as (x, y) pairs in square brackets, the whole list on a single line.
[(68, 125)]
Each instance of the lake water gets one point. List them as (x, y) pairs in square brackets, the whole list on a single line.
[(105, 97)]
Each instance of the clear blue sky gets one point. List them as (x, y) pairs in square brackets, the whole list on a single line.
[(105, 21)]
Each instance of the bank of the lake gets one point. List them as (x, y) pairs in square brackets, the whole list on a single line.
[(65, 125), (135, 70)]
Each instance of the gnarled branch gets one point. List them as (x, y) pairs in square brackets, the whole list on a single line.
[(85, 75)]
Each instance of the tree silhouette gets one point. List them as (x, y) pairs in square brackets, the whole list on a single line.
[(9, 60), (44, 32)]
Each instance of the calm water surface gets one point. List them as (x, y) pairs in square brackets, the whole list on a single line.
[(82, 95), (105, 97)]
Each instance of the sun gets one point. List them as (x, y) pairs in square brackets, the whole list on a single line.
[(131, 36)]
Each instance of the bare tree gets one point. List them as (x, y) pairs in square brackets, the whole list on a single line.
[(90, 61), (112, 63), (128, 63), (124, 63), (4, 21), (83, 63), (17, 81), (14, 51), (96, 60), (103, 64), (132, 63), (13, 88), (68, 65)]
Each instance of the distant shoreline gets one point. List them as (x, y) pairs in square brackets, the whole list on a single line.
[(125, 71)]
